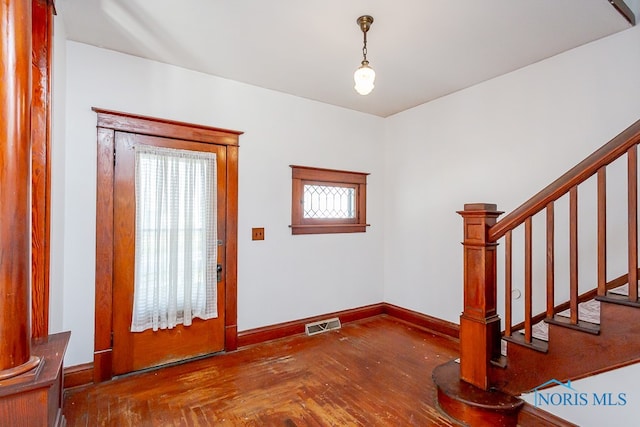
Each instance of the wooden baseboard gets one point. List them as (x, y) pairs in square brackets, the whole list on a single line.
[(533, 416), (282, 330), (425, 321), (78, 375)]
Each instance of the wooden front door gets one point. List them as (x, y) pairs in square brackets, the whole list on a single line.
[(133, 351)]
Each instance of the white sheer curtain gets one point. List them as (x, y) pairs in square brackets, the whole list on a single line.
[(176, 241)]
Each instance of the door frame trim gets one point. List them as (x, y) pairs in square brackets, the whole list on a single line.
[(108, 122)]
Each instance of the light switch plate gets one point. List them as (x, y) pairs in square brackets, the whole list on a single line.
[(257, 234)]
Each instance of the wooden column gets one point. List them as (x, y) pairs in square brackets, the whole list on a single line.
[(15, 183), (479, 322)]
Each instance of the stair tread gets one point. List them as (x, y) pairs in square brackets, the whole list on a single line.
[(620, 290), (618, 299), (583, 325), (588, 311), (535, 344)]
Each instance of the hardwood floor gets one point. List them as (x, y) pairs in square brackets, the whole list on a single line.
[(375, 372)]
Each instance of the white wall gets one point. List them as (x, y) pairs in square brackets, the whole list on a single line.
[(498, 142), (282, 278), (56, 239), (501, 142)]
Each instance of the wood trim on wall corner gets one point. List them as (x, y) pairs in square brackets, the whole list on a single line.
[(41, 53)]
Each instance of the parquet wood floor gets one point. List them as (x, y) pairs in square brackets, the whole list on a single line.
[(375, 372)]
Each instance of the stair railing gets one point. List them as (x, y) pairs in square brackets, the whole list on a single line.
[(480, 331)]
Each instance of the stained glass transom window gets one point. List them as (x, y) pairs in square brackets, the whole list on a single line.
[(323, 201)]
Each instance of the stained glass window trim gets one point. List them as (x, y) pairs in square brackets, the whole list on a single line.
[(327, 201)]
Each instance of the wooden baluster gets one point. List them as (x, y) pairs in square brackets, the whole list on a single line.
[(573, 254), (528, 276), (602, 231), (508, 277), (550, 261), (479, 322), (632, 158)]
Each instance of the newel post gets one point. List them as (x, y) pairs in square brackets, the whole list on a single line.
[(479, 322)]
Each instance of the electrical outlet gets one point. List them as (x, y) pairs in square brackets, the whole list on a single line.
[(257, 234)]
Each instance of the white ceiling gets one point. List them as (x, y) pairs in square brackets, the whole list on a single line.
[(420, 49)]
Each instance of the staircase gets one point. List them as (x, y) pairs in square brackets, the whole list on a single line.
[(566, 352), (583, 335), (588, 313)]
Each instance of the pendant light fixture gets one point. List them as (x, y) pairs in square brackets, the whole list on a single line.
[(364, 76)]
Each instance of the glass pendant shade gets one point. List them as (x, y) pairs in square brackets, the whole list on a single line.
[(364, 78)]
